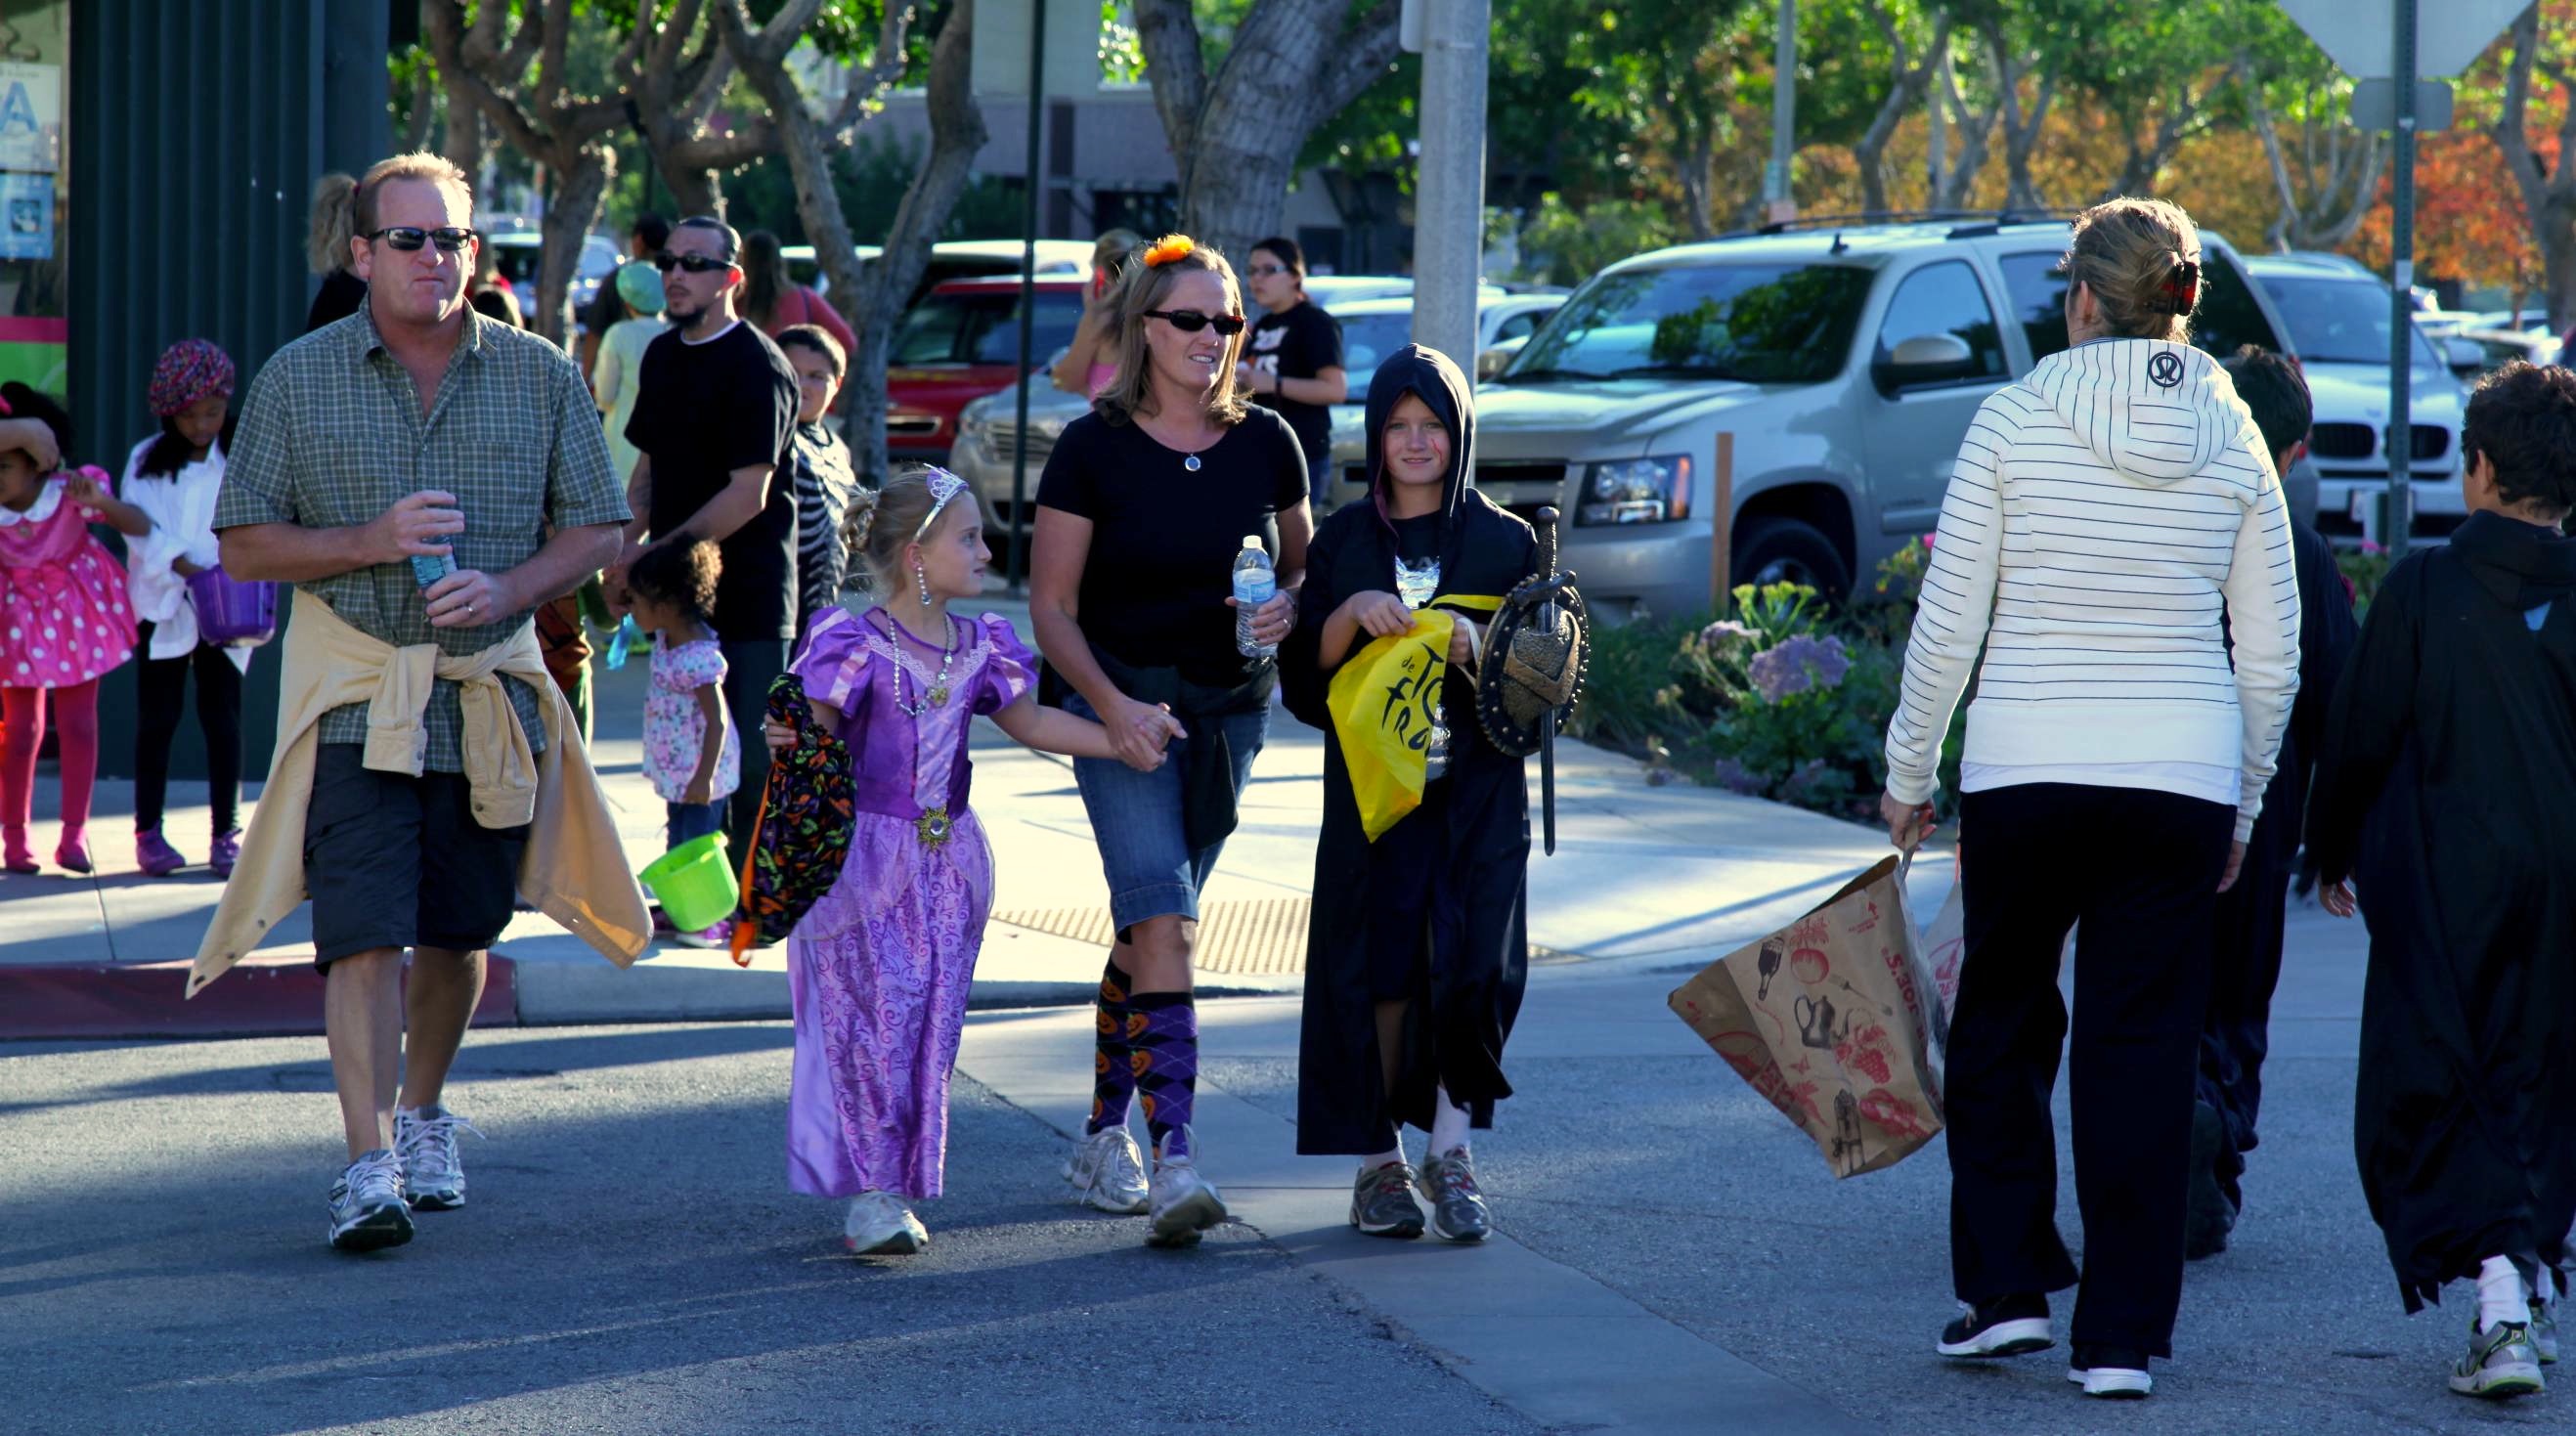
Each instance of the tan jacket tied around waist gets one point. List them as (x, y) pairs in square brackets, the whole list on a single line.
[(573, 869)]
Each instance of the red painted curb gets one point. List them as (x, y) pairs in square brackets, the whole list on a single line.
[(270, 995)]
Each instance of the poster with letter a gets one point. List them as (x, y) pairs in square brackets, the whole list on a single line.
[(31, 118)]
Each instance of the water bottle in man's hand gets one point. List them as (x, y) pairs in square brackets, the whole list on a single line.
[(1254, 585)]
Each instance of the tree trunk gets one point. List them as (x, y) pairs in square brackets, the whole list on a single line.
[(1235, 138), (1695, 158), (1905, 91), (2548, 193), (571, 209), (956, 133)]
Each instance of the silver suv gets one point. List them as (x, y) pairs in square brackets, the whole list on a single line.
[(1810, 386)]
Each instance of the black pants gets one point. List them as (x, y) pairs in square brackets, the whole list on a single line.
[(160, 684), (2139, 871), (2236, 1034), (750, 667)]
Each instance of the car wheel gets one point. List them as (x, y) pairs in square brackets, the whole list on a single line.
[(1782, 550)]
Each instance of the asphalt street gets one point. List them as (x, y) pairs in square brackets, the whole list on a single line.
[(632, 1261)]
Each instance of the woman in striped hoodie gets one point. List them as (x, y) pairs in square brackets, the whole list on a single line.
[(2113, 520)]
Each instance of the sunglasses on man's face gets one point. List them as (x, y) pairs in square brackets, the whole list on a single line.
[(1190, 321), (666, 261), (410, 237)]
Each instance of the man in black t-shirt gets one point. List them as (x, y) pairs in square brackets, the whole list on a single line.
[(1293, 362), (644, 241), (712, 421)]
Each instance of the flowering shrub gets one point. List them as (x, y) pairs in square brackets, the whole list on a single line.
[(1787, 700), (2364, 571)]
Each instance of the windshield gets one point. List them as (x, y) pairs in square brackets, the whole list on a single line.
[(1767, 324), (982, 328), (2340, 321), (1366, 341)]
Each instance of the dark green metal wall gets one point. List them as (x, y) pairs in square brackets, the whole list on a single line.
[(197, 128)]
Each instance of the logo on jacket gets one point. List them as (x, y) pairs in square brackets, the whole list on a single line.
[(2165, 370)]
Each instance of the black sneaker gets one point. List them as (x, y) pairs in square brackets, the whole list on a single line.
[(2007, 1326), (2209, 1216), (1382, 1202), (2117, 1373)]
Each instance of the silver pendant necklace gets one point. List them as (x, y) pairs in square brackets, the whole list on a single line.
[(1191, 463), (938, 693)]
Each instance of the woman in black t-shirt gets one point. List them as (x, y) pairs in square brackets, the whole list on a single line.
[(1143, 508), (1294, 362)]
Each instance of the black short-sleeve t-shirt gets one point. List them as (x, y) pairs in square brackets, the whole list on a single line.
[(1163, 539), (1299, 344), (701, 412)]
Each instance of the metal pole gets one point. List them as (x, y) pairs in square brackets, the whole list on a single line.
[(1449, 205), (2400, 519), (1784, 117), (1017, 571)]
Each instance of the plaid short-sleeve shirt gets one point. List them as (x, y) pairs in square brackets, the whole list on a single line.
[(332, 435)]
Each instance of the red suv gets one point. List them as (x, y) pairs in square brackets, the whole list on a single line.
[(960, 343)]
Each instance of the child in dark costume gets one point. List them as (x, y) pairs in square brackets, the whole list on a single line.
[(2447, 793), (1417, 953)]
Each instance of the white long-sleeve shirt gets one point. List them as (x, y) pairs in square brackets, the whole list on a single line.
[(182, 509), (2104, 513)]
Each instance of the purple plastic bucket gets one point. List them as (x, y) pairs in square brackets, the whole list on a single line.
[(231, 613)]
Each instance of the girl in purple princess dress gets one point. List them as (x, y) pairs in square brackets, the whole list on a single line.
[(878, 971)]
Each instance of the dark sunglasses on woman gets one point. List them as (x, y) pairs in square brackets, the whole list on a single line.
[(410, 237), (1190, 321), (666, 261)]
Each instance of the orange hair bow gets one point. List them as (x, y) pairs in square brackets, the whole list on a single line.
[(1169, 248)]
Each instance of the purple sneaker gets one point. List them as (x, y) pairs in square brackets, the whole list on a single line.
[(155, 856), (227, 849)]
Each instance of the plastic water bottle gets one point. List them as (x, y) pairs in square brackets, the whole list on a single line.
[(618, 641), (1254, 585)]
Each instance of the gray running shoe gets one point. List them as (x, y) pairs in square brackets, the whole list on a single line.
[(1458, 1211), (432, 1175), (2500, 1363), (1382, 1202), (367, 1207), (2544, 1329), (1185, 1204), (1107, 1173), (882, 1224)]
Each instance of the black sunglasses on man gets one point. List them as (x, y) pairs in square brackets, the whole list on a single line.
[(410, 237), (666, 261)]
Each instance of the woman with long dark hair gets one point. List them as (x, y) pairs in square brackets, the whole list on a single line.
[(1147, 503), (2106, 513), (775, 303)]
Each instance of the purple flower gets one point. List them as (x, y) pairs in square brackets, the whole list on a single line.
[(1801, 785), (1736, 778), (1796, 665)]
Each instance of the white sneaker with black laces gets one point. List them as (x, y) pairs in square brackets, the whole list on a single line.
[(367, 1207), (426, 1139), (1107, 1173)]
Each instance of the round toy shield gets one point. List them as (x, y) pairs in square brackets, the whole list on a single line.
[(1536, 652)]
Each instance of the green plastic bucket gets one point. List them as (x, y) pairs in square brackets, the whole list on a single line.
[(694, 882)]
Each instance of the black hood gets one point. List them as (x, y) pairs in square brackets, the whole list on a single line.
[(1430, 374), (2523, 565)]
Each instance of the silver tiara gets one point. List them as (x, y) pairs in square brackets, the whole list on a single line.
[(943, 487)]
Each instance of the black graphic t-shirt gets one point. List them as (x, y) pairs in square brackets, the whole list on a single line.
[(1299, 344)]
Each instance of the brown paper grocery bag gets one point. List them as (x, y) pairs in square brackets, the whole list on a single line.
[(1828, 1019)]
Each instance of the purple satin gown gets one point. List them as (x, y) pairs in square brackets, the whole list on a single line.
[(879, 970)]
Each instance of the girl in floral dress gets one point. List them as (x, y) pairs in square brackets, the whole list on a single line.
[(691, 754), (64, 618), (879, 970)]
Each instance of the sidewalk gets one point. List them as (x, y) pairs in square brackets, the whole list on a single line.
[(1643, 878)]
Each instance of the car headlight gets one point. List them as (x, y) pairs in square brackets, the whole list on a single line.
[(1635, 491)]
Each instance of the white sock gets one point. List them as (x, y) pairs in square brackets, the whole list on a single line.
[(2544, 1293), (2503, 1296), (1448, 1126), (1387, 1158)]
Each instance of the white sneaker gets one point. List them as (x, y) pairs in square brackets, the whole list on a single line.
[(425, 1139), (2114, 1382), (2544, 1329), (879, 1224), (367, 1207), (1107, 1173), (1184, 1204)]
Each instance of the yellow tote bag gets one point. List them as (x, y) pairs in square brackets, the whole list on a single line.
[(1384, 703)]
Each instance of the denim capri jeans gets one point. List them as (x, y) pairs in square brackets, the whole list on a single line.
[(1137, 819)]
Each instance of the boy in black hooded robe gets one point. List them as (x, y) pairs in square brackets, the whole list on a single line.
[(1416, 955), (2447, 792)]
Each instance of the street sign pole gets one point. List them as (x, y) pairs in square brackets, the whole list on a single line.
[(2401, 330), (1020, 528), (1778, 203)]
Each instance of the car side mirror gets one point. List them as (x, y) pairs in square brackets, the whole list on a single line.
[(1492, 362), (1924, 359)]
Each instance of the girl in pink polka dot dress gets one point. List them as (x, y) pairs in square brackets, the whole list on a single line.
[(64, 618)]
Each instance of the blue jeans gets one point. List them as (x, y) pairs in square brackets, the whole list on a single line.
[(692, 820), (1319, 483), (1136, 819)]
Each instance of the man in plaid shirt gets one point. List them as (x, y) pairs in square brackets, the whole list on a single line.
[(415, 429)]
